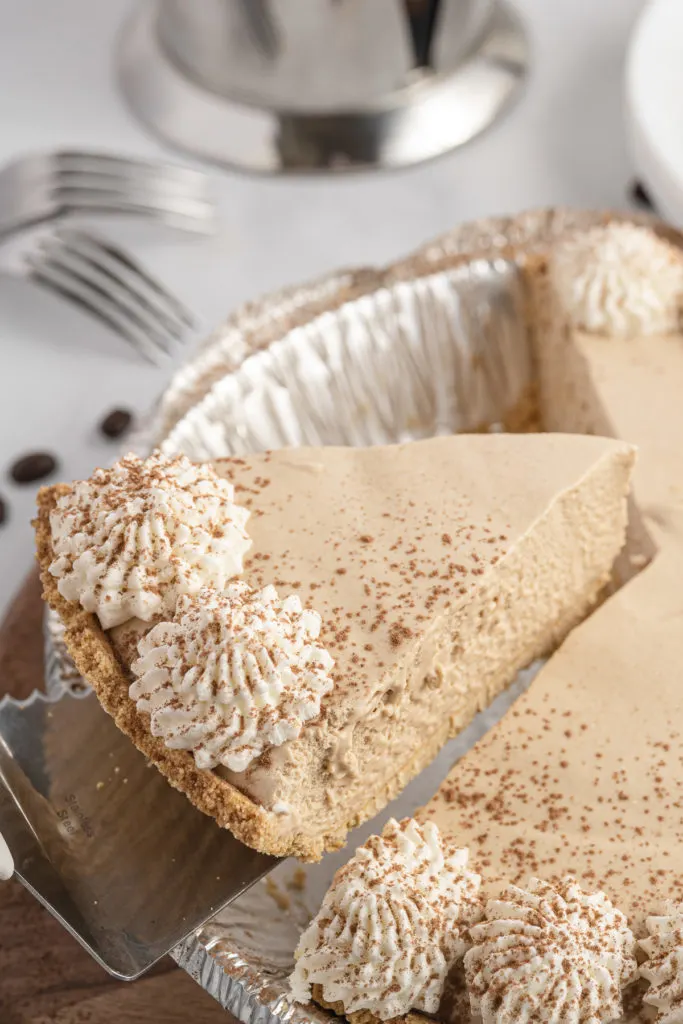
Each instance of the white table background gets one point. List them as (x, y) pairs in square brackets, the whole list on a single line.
[(60, 372)]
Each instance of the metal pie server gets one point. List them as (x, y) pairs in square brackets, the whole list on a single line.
[(121, 859)]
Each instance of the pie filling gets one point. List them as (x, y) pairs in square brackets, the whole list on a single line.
[(291, 637)]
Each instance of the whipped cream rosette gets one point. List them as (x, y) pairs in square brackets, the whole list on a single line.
[(392, 924), (233, 673), (664, 965), (131, 539), (619, 280), (550, 953)]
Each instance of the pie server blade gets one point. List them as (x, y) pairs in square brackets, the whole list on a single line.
[(121, 859)]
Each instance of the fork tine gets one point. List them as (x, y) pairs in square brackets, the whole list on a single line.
[(161, 328), (71, 288), (186, 213), (111, 284), (73, 161), (152, 180), (141, 188), (114, 261), (41, 187), (141, 185)]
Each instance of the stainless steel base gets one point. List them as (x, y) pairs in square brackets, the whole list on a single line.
[(434, 114)]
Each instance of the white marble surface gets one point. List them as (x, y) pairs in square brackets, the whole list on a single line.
[(59, 372)]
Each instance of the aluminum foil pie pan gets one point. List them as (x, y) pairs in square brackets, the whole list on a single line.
[(437, 343)]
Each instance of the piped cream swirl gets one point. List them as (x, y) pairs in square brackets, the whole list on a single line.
[(550, 953), (233, 674), (664, 965), (391, 925), (131, 539), (620, 280)]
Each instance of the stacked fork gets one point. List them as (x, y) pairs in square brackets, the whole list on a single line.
[(105, 281), (89, 270)]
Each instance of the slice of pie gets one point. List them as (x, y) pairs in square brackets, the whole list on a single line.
[(290, 672), (607, 306)]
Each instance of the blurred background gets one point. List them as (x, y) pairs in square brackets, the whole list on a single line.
[(312, 119)]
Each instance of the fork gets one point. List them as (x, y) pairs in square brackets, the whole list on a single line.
[(91, 272), (42, 187)]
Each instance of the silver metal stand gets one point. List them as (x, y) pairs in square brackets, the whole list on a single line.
[(200, 109)]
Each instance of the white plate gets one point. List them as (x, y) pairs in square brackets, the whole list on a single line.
[(654, 104)]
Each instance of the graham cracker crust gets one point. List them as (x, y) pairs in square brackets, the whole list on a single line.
[(364, 1016)]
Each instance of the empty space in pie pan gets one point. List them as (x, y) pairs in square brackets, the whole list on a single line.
[(437, 345), (444, 353)]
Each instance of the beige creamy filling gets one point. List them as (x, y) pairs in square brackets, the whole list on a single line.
[(583, 775), (460, 664), (344, 768)]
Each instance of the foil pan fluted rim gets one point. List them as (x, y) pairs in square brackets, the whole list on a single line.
[(442, 353), (231, 981), (252, 327), (257, 324), (60, 672)]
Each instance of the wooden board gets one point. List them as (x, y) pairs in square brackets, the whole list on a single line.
[(45, 976)]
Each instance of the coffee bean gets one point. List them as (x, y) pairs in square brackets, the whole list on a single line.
[(3, 511), (116, 423), (30, 468), (640, 195)]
